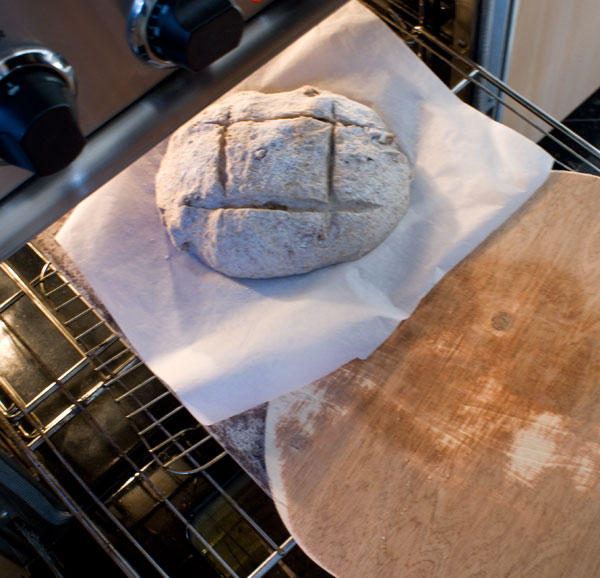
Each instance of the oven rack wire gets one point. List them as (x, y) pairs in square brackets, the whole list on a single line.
[(159, 445)]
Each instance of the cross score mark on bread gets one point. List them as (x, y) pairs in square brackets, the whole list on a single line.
[(267, 185)]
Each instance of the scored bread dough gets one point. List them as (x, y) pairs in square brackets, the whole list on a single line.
[(269, 185)]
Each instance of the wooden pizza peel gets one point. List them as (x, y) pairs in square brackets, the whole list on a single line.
[(468, 444)]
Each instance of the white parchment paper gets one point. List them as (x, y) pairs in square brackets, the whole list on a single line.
[(225, 345)]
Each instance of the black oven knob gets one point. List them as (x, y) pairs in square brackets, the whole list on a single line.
[(38, 124), (187, 33)]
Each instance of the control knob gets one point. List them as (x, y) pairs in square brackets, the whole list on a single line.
[(38, 120), (186, 33)]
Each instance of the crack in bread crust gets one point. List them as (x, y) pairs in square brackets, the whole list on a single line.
[(366, 207), (222, 161), (286, 117)]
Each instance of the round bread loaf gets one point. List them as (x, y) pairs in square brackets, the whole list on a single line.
[(269, 185)]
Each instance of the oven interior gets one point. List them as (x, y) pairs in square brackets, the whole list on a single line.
[(124, 473)]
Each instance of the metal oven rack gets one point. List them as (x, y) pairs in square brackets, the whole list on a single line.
[(71, 388), (67, 376)]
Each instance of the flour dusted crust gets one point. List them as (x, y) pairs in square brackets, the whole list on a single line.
[(269, 185)]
